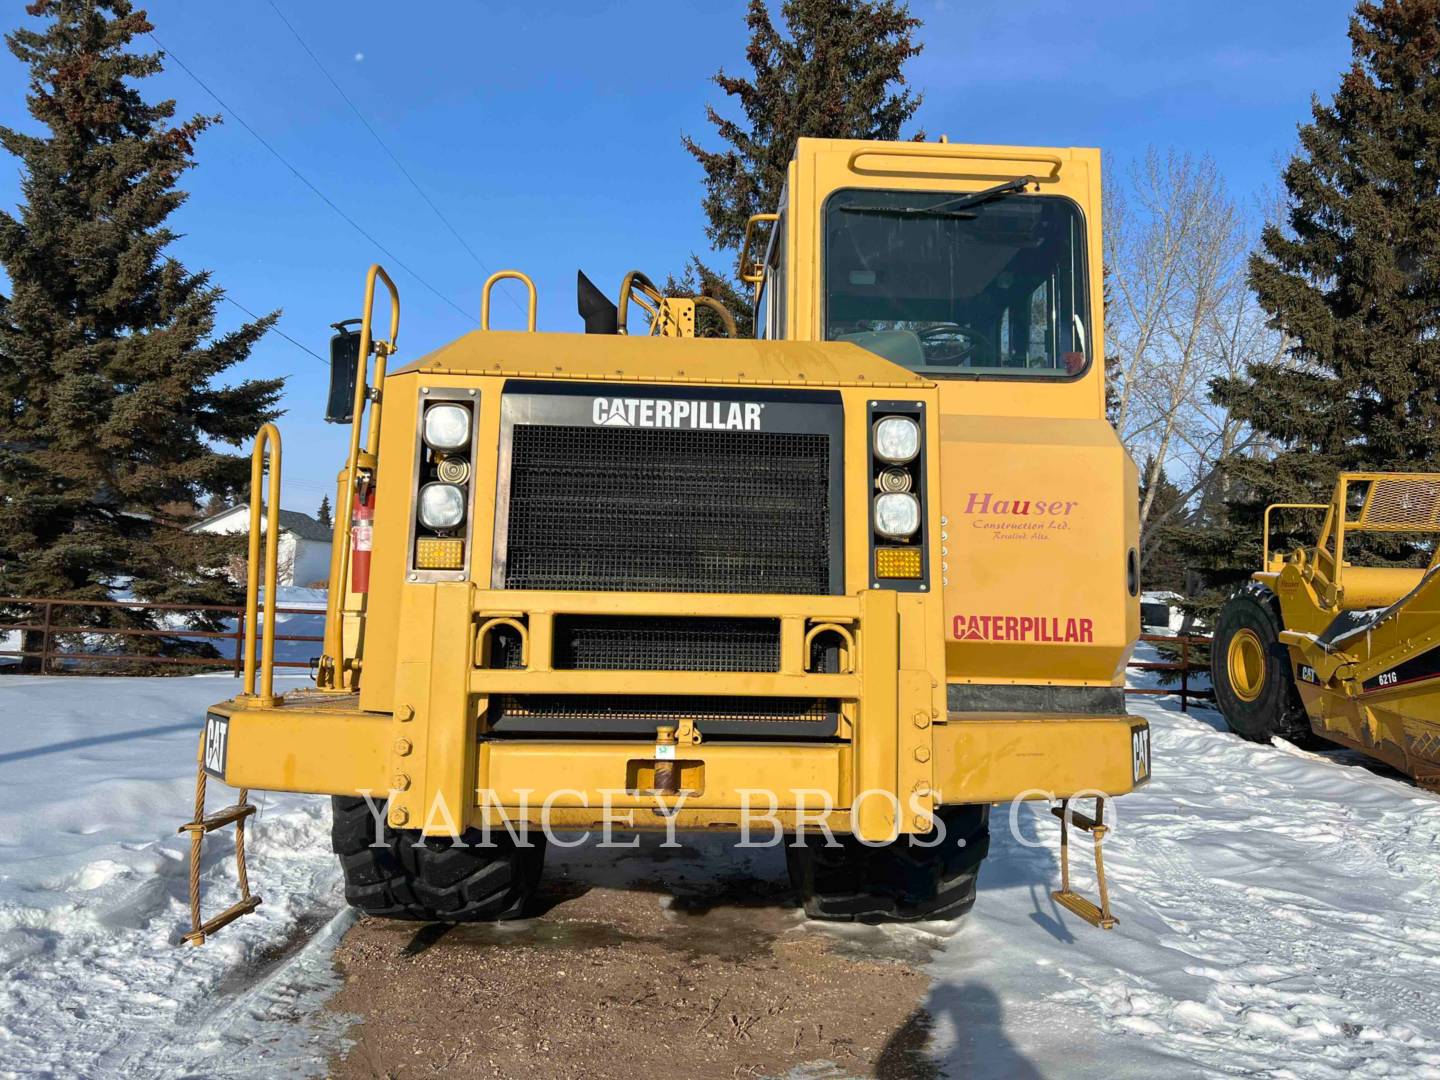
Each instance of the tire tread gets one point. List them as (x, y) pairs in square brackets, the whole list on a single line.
[(431, 879)]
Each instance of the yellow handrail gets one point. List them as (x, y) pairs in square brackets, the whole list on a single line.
[(267, 438), (1265, 555), (746, 275), (502, 275), (330, 675), (959, 153)]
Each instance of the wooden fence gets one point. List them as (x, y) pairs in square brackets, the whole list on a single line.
[(44, 621), (1185, 666)]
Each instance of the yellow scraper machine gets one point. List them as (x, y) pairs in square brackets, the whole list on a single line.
[(1315, 646), (845, 584)]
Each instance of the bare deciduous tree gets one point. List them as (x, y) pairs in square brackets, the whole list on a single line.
[(1180, 314)]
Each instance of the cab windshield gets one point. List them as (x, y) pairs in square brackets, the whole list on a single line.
[(994, 289)]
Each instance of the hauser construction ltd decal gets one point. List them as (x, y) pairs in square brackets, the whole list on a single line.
[(1006, 516), (1022, 628), (663, 413)]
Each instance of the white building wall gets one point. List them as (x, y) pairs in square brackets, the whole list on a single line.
[(312, 562), (300, 561)]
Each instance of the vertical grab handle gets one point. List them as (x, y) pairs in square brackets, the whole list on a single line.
[(747, 274), (268, 439), (330, 675), (503, 275)]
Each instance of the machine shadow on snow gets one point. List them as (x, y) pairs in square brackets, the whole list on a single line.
[(96, 740), (1031, 865)]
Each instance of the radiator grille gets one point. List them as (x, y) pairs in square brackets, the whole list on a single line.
[(640, 713), (635, 510), (635, 643)]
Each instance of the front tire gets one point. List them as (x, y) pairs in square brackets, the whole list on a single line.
[(902, 881), (432, 879), (1251, 671)]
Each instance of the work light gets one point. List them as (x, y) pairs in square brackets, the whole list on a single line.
[(897, 439), (447, 427), (442, 506), (897, 514)]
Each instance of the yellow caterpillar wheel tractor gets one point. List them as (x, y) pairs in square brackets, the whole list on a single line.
[(851, 581), (1315, 647)]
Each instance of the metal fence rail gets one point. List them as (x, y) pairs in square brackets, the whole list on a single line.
[(43, 621), (1184, 666)]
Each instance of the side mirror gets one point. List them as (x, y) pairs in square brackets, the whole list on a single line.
[(344, 369)]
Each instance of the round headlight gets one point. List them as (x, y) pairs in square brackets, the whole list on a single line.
[(897, 515), (442, 506), (897, 439), (447, 427)]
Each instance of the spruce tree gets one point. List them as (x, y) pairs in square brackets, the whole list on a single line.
[(111, 415), (835, 71), (1354, 283), (322, 514)]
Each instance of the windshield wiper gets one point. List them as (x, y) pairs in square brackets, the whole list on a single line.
[(907, 211), (952, 208), (999, 191)]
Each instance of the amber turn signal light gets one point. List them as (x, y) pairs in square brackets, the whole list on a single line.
[(897, 562)]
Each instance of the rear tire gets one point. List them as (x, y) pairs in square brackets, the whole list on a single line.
[(432, 879), (1251, 670), (896, 882)]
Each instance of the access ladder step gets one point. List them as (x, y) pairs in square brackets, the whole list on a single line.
[(1078, 820), (218, 820), (1085, 909), (225, 918)]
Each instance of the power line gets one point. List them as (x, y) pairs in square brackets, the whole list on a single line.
[(229, 299), (384, 146), (305, 180), (277, 330)]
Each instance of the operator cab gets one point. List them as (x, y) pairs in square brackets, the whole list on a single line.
[(947, 285), (987, 284)]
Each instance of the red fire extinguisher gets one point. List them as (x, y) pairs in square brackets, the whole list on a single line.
[(362, 535)]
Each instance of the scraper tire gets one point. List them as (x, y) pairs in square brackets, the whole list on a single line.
[(897, 882), (433, 879), (1258, 697)]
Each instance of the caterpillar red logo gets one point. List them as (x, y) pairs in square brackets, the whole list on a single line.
[(1023, 628)]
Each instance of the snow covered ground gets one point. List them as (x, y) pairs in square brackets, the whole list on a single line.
[(1279, 916), (1280, 913), (95, 775)]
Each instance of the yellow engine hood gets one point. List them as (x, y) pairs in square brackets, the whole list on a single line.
[(613, 358)]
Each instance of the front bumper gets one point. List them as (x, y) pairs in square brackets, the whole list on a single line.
[(317, 743), (895, 755)]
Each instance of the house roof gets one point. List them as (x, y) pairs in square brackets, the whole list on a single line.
[(302, 525)]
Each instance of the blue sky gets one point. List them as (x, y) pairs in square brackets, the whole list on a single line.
[(549, 135)]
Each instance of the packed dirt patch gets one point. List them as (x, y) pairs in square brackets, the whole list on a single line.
[(702, 967)]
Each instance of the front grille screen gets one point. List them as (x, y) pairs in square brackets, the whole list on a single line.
[(640, 713), (665, 643), (638, 510)]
